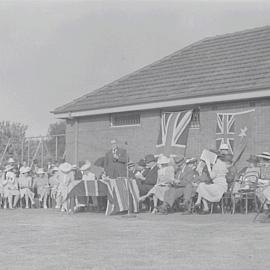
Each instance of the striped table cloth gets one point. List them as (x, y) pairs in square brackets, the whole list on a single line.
[(87, 188), (122, 193)]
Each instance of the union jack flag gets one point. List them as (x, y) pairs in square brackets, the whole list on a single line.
[(225, 130), (173, 133)]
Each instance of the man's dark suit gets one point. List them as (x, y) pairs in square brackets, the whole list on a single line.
[(151, 176), (116, 167)]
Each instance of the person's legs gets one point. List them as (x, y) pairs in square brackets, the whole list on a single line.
[(31, 196), (199, 199), (10, 201), (5, 202), (16, 199), (155, 201), (58, 201), (188, 191), (45, 198), (26, 201), (205, 205)]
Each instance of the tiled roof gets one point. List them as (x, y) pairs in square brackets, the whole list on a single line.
[(222, 64)]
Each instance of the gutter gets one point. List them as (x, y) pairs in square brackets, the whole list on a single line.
[(168, 104)]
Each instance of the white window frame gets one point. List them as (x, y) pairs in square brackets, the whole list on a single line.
[(120, 126)]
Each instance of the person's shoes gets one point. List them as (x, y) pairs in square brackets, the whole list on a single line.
[(45, 207), (163, 209), (162, 213), (265, 219), (197, 208), (205, 212), (154, 211), (187, 212)]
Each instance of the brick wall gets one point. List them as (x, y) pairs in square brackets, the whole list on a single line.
[(95, 132)]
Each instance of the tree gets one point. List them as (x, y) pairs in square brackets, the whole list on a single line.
[(12, 134)]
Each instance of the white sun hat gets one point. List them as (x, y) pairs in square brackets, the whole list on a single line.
[(11, 160), (86, 166), (65, 167), (9, 168), (40, 171), (224, 146), (55, 169), (163, 160), (25, 170)]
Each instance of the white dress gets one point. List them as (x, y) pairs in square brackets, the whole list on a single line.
[(165, 177), (214, 192)]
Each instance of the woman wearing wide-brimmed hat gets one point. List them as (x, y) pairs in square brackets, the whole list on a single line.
[(164, 180), (25, 184), (54, 182), (66, 176), (41, 183), (11, 188), (214, 192), (250, 175)]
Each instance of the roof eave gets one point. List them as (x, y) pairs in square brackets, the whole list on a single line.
[(167, 104)]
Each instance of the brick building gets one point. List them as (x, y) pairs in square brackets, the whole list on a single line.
[(228, 73)]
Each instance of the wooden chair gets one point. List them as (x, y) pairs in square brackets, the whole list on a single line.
[(246, 195)]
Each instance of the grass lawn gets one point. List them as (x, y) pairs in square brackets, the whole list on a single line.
[(47, 239)]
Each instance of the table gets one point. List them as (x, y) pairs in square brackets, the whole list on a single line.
[(122, 193)]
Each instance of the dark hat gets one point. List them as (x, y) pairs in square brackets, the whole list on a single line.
[(264, 155), (150, 158), (131, 164), (227, 157), (179, 160), (191, 160), (215, 152), (252, 159), (141, 163)]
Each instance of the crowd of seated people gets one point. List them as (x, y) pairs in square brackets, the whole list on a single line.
[(164, 183), (165, 180), (22, 186)]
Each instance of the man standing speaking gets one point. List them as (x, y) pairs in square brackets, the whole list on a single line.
[(115, 163)]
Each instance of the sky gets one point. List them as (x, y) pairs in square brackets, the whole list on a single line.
[(52, 52)]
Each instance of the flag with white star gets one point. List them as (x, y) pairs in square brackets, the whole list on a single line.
[(235, 129)]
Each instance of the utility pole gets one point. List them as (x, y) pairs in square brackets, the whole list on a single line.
[(56, 147)]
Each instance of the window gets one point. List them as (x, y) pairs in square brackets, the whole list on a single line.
[(195, 118), (125, 119)]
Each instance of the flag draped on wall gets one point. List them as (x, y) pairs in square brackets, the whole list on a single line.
[(234, 129), (225, 130), (173, 135)]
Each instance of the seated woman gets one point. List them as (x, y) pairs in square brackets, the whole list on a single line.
[(41, 183), (10, 186), (247, 177), (213, 192), (251, 174), (183, 186), (164, 181), (54, 182), (25, 184)]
